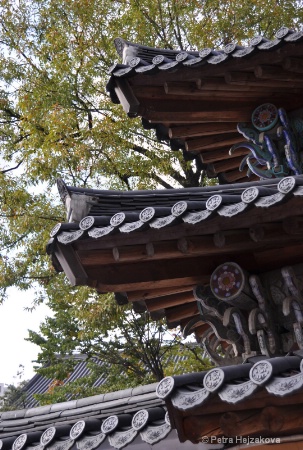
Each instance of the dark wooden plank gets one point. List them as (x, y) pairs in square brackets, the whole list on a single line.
[(276, 73), (222, 154), (94, 257), (224, 165), (151, 271), (177, 313), (71, 264), (150, 284), (293, 65), (212, 142), (127, 98), (247, 80), (168, 301), (232, 176), (207, 129), (153, 293), (199, 116)]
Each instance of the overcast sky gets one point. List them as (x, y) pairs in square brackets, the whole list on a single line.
[(14, 323)]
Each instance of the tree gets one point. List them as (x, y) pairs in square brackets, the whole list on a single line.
[(134, 349), (14, 396), (56, 119)]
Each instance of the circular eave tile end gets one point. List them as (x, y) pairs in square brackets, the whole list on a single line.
[(77, 429), (286, 185), (165, 387), (20, 442), (147, 214), (117, 219), (140, 419), (250, 194), (110, 424), (179, 208), (227, 281), (55, 230), (213, 380), (214, 202), (86, 223), (261, 372), (48, 436)]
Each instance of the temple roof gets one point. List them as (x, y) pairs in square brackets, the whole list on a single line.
[(159, 250), (240, 400), (195, 99)]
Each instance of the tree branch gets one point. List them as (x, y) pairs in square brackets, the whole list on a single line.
[(12, 168)]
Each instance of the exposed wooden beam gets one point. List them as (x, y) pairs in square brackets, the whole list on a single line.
[(151, 270), (173, 87), (177, 313), (126, 96), (232, 176), (276, 73), (246, 82), (130, 253), (213, 142), (223, 242), (293, 225), (275, 257), (293, 64), (168, 301), (248, 79), (197, 105), (203, 129), (268, 420), (234, 116), (268, 232), (179, 90), (150, 284), (208, 157), (222, 166), (71, 265), (155, 293), (95, 257)]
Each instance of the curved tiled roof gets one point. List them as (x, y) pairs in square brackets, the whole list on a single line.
[(152, 248), (138, 415), (142, 59), (118, 416), (194, 100), (279, 376), (130, 211)]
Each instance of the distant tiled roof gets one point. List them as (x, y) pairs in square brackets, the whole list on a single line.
[(40, 384)]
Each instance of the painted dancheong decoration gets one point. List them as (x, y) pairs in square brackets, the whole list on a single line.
[(251, 314), (275, 143)]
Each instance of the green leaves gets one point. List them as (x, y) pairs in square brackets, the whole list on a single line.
[(123, 348)]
